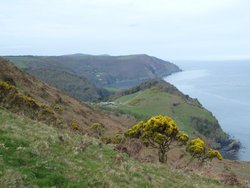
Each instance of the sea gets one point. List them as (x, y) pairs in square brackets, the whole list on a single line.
[(223, 87)]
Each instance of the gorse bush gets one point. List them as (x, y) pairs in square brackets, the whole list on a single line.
[(161, 132), (46, 109), (115, 139), (7, 89), (199, 150), (97, 129), (196, 147), (214, 154), (158, 132), (27, 99), (58, 108), (183, 138), (74, 125), (12, 99), (6, 86)]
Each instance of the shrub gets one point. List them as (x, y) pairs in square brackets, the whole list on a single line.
[(182, 138), (28, 100), (6, 86), (198, 149), (214, 154), (158, 132), (7, 90), (46, 109), (58, 108), (118, 139), (98, 129), (75, 126)]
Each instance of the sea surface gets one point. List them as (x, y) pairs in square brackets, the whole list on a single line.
[(223, 87)]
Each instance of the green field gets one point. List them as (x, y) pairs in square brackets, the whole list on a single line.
[(152, 102), (34, 154), (112, 89)]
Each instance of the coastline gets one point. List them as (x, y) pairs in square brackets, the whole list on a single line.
[(227, 145)]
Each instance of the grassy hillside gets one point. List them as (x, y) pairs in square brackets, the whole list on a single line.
[(51, 71), (158, 97), (34, 154), (77, 74), (39, 101)]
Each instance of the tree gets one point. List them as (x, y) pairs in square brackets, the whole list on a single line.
[(158, 132), (199, 150)]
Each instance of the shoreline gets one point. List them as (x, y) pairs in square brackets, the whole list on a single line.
[(230, 148)]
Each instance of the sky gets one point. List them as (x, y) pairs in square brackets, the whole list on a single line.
[(169, 29)]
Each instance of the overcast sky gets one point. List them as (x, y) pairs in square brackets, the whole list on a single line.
[(169, 29)]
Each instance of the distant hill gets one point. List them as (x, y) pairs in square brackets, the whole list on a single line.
[(51, 71), (76, 86), (78, 74)]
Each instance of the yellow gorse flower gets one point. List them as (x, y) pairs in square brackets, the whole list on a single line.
[(198, 149), (196, 146), (158, 132), (6, 86), (214, 153), (158, 128)]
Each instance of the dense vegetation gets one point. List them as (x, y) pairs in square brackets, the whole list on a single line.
[(77, 74)]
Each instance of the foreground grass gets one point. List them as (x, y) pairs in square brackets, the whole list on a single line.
[(36, 155)]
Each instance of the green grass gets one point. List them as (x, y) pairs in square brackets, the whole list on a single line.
[(34, 154), (152, 102), (112, 89), (184, 111), (146, 103)]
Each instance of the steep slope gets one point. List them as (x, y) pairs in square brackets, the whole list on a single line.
[(52, 71), (75, 86), (24, 94), (120, 71), (156, 97), (35, 155)]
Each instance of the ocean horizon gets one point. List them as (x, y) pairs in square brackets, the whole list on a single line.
[(223, 87)]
